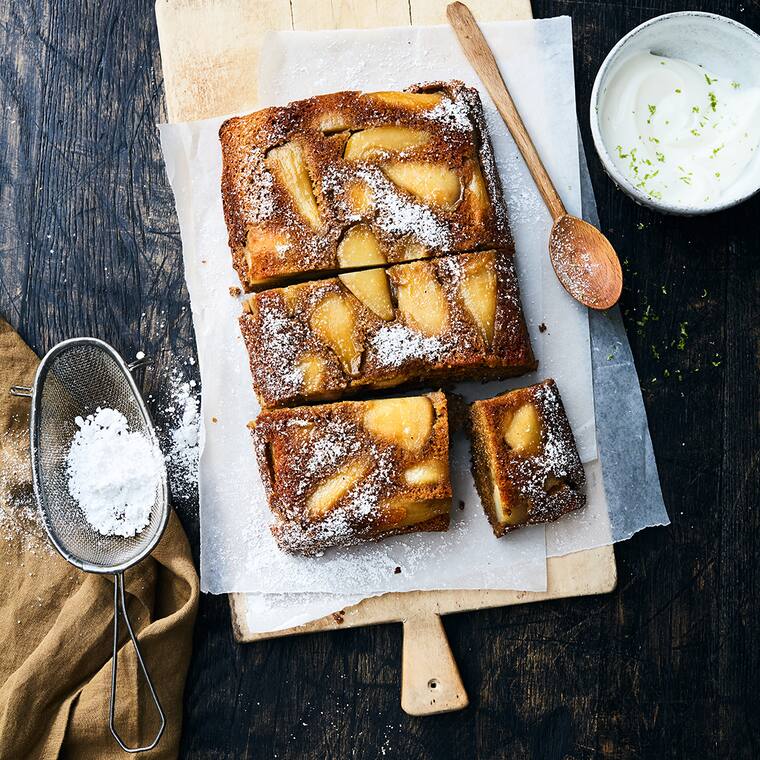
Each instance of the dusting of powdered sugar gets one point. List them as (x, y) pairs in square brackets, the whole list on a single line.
[(114, 473), (398, 215), (451, 270), (365, 497), (359, 505), (336, 442), (280, 374), (19, 518), (255, 183), (524, 205), (455, 114), (558, 457), (395, 344), (577, 270)]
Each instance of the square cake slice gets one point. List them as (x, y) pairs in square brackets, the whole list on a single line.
[(435, 321), (350, 180), (354, 471), (526, 467)]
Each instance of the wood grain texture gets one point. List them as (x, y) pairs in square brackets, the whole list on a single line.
[(236, 62), (666, 667), (434, 11)]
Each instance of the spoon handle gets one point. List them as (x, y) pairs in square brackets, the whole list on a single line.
[(481, 58)]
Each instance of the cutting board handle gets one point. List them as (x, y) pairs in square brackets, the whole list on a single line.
[(430, 681)]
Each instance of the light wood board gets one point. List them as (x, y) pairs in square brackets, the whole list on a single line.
[(209, 56)]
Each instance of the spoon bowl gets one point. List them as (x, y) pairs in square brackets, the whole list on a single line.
[(585, 262)]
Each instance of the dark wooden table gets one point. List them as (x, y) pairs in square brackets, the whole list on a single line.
[(667, 666)]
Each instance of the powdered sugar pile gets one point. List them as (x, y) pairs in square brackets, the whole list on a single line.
[(113, 473)]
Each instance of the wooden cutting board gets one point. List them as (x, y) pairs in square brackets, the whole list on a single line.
[(209, 55)]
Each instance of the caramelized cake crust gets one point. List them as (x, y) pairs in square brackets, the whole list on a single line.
[(354, 471), (435, 321), (525, 463), (414, 170)]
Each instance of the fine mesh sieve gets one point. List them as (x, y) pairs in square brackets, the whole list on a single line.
[(73, 379)]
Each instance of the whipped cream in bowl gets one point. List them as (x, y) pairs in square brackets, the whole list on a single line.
[(675, 113)]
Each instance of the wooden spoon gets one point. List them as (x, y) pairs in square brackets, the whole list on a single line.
[(583, 259)]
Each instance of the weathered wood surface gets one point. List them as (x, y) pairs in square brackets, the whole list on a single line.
[(667, 666)]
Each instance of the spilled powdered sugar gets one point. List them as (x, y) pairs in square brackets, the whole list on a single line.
[(178, 428), (183, 436), (176, 413)]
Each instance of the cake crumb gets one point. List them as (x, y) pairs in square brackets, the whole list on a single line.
[(235, 291), (397, 570), (542, 327)]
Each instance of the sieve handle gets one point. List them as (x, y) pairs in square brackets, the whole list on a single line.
[(118, 596)]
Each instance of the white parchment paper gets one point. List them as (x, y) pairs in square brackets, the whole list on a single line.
[(237, 552)]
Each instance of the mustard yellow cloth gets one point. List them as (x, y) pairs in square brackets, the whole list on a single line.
[(56, 622)]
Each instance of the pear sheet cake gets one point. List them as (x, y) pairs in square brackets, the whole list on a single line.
[(339, 474), (432, 321), (370, 233), (351, 180)]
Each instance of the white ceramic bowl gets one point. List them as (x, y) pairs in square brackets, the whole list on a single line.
[(720, 44)]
